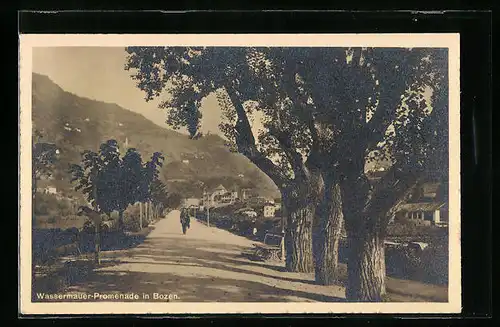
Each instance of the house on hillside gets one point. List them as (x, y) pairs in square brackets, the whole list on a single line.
[(223, 198), (246, 193), (234, 193), (47, 190), (268, 210), (422, 213), (216, 196), (219, 190), (260, 201), (427, 206)]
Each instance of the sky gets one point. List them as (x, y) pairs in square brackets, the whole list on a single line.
[(98, 73)]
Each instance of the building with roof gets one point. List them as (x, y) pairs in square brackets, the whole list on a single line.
[(422, 213), (47, 190), (428, 205), (246, 193), (219, 196), (268, 210)]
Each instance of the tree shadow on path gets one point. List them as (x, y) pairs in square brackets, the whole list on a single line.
[(195, 270)]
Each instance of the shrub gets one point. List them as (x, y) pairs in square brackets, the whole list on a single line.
[(49, 204), (435, 263), (429, 265), (133, 225)]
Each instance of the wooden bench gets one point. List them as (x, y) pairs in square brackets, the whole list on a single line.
[(271, 248)]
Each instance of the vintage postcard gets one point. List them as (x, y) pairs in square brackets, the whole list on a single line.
[(308, 173)]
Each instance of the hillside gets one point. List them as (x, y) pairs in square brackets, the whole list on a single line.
[(75, 124)]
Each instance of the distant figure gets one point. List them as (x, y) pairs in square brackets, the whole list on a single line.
[(254, 232), (185, 220)]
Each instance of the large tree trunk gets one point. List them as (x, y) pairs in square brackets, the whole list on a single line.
[(366, 257), (327, 231), (366, 267), (367, 213), (298, 236)]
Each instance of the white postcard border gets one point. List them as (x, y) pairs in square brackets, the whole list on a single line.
[(444, 40)]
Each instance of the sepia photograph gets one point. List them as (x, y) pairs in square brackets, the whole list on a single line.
[(267, 173)]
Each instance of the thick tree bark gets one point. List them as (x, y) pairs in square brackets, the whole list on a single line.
[(298, 234), (295, 198), (366, 233), (366, 266), (367, 211), (327, 230)]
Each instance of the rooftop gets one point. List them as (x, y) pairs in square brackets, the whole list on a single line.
[(431, 187), (421, 206), (220, 187)]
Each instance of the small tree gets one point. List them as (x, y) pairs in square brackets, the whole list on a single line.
[(150, 175), (159, 196), (132, 179)]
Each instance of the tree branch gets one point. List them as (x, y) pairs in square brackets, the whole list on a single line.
[(392, 190), (356, 56), (291, 89), (384, 115), (245, 142), (392, 87), (285, 142)]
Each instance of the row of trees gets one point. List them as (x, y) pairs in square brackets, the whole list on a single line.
[(112, 182), (326, 113)]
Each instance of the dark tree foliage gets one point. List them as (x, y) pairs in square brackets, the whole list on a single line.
[(376, 110), (112, 183), (327, 113)]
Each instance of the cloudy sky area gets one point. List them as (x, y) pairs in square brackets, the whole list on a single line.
[(98, 73)]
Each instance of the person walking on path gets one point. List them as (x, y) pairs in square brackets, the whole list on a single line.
[(185, 220)]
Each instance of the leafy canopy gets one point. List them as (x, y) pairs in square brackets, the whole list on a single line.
[(333, 109), (111, 182)]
